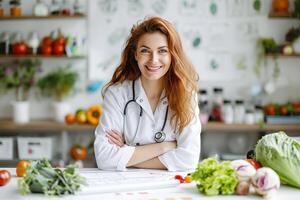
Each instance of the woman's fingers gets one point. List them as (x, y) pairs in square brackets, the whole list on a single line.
[(115, 137)]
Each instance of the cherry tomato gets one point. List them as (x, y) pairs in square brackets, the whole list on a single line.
[(21, 167), (180, 178), (254, 163), (4, 177)]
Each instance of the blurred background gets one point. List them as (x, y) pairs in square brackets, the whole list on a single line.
[(56, 55)]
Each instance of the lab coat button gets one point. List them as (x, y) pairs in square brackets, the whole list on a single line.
[(137, 144), (141, 100), (164, 102)]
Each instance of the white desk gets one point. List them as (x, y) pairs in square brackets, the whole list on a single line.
[(183, 192)]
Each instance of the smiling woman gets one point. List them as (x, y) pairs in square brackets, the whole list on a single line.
[(150, 112)]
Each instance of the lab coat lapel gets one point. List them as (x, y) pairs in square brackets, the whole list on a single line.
[(141, 98)]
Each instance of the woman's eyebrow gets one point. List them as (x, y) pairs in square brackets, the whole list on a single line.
[(150, 48)]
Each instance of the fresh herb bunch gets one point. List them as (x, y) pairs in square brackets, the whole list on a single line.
[(296, 12), (41, 177), (20, 76), (292, 35), (15, 2), (58, 83)]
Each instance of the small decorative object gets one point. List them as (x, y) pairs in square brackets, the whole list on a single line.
[(20, 77), (78, 8), (58, 84), (55, 7), (33, 42), (1, 9), (40, 9), (280, 6), (15, 9)]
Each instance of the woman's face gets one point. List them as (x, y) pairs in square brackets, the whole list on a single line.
[(153, 56)]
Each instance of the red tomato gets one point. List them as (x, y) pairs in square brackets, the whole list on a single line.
[(4, 177), (19, 48), (254, 163), (47, 41), (270, 109), (59, 41), (46, 50), (58, 49), (78, 152)]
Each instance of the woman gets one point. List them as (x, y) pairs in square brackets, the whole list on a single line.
[(150, 117)]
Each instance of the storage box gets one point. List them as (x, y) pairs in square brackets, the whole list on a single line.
[(283, 119), (34, 147), (6, 148)]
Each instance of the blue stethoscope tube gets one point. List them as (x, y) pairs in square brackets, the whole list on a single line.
[(160, 136)]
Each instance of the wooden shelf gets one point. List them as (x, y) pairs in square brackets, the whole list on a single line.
[(40, 57), (282, 15), (44, 125), (284, 55), (50, 17)]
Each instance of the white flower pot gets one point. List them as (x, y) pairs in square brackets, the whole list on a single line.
[(296, 45), (21, 112), (61, 109)]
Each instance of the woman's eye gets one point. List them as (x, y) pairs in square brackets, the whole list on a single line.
[(163, 51), (144, 51)]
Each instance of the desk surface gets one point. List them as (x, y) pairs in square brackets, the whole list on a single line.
[(182, 192)]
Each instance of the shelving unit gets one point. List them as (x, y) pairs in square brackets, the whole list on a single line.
[(50, 17), (284, 55), (46, 125), (40, 57), (282, 15)]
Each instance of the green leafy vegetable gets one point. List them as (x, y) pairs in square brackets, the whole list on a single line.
[(215, 178), (41, 177), (282, 154)]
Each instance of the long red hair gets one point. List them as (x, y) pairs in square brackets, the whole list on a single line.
[(181, 78)]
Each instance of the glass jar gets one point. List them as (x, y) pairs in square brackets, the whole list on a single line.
[(216, 113), (15, 8), (1, 10), (204, 112), (40, 9), (66, 8), (258, 114), (202, 95), (227, 112), (78, 8), (239, 112), (55, 8), (249, 117), (4, 43)]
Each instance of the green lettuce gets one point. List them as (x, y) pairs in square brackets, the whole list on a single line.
[(282, 154), (215, 178)]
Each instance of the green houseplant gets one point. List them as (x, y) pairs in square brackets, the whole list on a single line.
[(20, 77), (58, 84)]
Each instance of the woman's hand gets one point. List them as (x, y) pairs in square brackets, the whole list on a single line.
[(115, 137)]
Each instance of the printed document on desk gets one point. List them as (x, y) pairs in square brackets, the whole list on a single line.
[(98, 181)]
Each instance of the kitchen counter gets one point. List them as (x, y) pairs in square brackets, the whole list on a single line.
[(182, 192)]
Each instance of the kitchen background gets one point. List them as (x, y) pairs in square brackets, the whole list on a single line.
[(219, 36)]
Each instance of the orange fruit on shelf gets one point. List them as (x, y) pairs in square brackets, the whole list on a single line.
[(21, 167), (70, 118)]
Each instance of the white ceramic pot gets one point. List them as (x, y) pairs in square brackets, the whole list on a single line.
[(296, 45), (61, 109), (21, 112)]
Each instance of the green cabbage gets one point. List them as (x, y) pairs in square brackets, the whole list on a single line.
[(215, 178), (282, 154)]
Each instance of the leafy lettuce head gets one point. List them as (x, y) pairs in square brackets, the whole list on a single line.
[(282, 154)]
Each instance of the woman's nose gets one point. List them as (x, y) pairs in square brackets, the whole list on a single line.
[(154, 57)]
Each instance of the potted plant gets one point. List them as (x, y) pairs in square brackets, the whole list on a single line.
[(20, 77), (15, 8), (58, 84), (266, 46), (293, 37)]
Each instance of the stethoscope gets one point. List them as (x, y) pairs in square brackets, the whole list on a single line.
[(159, 136)]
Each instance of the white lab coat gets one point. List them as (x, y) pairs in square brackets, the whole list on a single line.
[(112, 157)]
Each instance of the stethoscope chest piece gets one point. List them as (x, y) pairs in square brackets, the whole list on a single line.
[(160, 136)]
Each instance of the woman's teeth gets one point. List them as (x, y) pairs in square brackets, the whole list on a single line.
[(153, 68)]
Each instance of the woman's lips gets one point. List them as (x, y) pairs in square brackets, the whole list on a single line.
[(153, 68)]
